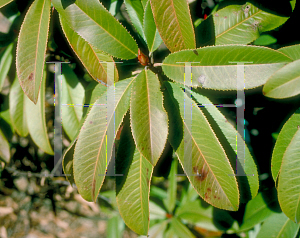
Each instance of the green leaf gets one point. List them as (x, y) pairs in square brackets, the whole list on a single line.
[(97, 26), (173, 21), (5, 63), (231, 135), (291, 51), (31, 48), (114, 227), (288, 181), (215, 70), (136, 13), (17, 108), (149, 121), (156, 212), (90, 157), (72, 94), (278, 225), (157, 230), (170, 201), (181, 230), (285, 82), (206, 164), (67, 162), (242, 24), (265, 40), (152, 36), (133, 187), (90, 57), (4, 148), (258, 209), (283, 141), (4, 2), (36, 122)]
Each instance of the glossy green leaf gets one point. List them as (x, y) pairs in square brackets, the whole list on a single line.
[(202, 156), (257, 210), (152, 36), (283, 141), (180, 229), (133, 187), (17, 108), (170, 201), (90, 57), (5, 63), (67, 162), (291, 51), (4, 148), (149, 121), (265, 40), (31, 48), (173, 21), (215, 70), (36, 122), (4, 2), (288, 181), (230, 134), (136, 13), (96, 25), (285, 82), (90, 157), (242, 24), (72, 94), (277, 226)]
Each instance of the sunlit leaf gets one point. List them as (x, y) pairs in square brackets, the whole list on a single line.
[(96, 25), (136, 13), (36, 122), (218, 66), (149, 120), (4, 2), (173, 21), (90, 57), (90, 157), (242, 24), (285, 82), (201, 154), (31, 48), (4, 148), (133, 187), (180, 229), (278, 225), (291, 51)]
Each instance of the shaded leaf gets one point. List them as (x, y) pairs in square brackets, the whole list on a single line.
[(72, 94), (152, 36), (148, 118), (265, 40), (36, 122), (173, 21), (89, 56), (90, 157), (5, 63), (231, 135), (285, 82), (215, 70), (133, 187), (170, 201), (242, 24), (31, 48), (156, 212), (114, 227), (17, 108), (202, 156), (291, 51), (97, 26), (157, 230), (4, 148), (278, 225)]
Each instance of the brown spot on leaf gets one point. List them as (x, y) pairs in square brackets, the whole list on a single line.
[(91, 122), (201, 173), (225, 17), (30, 77), (216, 14), (208, 189), (93, 188), (195, 52), (215, 196), (219, 198), (298, 126), (206, 196)]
